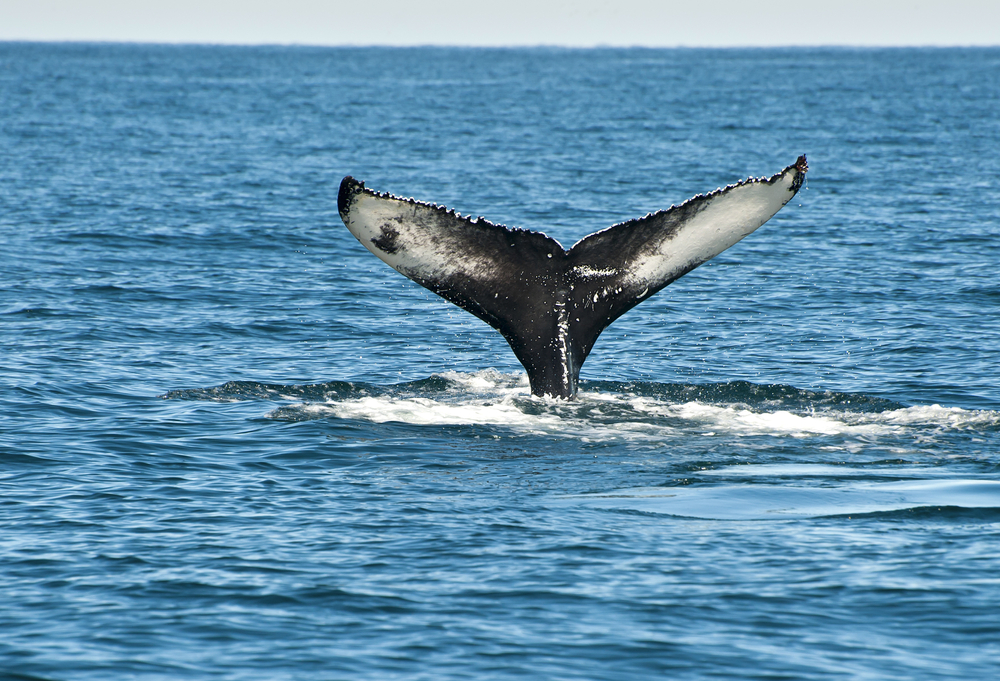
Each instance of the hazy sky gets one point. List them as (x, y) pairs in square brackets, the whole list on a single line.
[(508, 22)]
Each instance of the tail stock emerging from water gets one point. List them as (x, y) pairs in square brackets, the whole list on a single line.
[(549, 303)]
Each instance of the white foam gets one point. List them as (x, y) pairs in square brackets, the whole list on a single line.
[(945, 417), (492, 398), (423, 411), (504, 413), (746, 422), (809, 470)]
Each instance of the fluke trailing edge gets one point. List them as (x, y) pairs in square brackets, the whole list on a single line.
[(552, 304)]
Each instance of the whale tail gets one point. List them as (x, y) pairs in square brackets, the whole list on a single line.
[(548, 303)]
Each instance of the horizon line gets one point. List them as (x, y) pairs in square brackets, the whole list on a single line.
[(552, 46)]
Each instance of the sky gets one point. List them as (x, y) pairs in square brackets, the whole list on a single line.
[(583, 23)]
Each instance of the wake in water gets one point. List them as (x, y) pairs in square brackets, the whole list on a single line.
[(742, 501), (799, 453), (605, 410)]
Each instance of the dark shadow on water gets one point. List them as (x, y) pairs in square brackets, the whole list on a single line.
[(923, 514)]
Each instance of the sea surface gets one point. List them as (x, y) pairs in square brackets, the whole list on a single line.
[(235, 445)]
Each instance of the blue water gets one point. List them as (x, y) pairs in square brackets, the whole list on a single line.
[(235, 445)]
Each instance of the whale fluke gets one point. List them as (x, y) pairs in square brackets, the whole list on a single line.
[(552, 304)]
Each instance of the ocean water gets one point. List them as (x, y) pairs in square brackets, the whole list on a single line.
[(235, 445)]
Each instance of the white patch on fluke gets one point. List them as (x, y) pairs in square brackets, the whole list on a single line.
[(428, 253), (588, 272), (725, 220)]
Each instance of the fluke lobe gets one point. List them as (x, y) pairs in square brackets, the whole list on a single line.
[(549, 303)]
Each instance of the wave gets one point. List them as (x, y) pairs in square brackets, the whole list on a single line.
[(603, 409), (744, 501)]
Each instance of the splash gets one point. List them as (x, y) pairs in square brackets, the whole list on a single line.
[(743, 421), (606, 411)]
